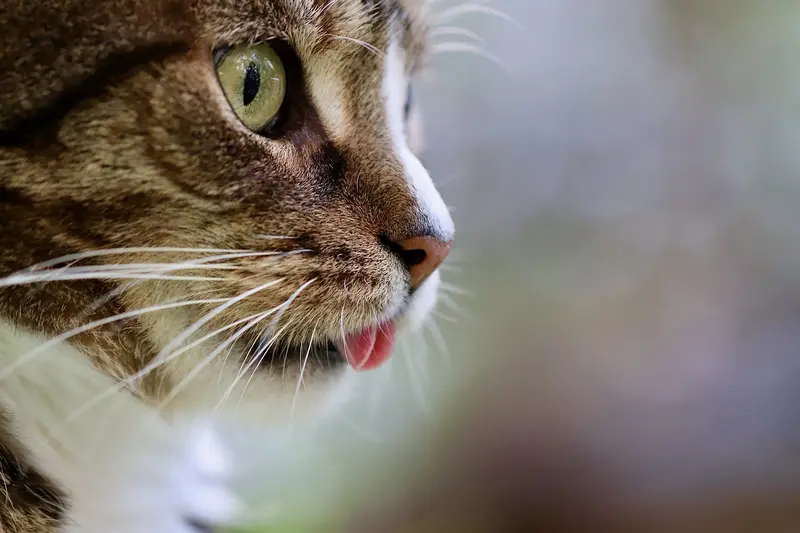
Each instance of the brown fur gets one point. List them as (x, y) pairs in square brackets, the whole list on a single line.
[(30, 503), (115, 133)]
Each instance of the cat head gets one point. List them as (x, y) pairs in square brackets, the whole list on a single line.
[(246, 167)]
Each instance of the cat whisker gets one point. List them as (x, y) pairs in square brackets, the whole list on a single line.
[(55, 341), (247, 363), (25, 280), (137, 268), (300, 382), (257, 360), (455, 289), (121, 251), (142, 271), (191, 330), (212, 334), (169, 353), (455, 30), (455, 269), (471, 9), (275, 237), (416, 378), (326, 7), (131, 380), (346, 355), (101, 301), (289, 302), (446, 318), (272, 326), (207, 263), (451, 303), (444, 48), (377, 51), (201, 366), (441, 344), (223, 366)]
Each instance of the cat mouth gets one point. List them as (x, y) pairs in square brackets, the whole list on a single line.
[(363, 350)]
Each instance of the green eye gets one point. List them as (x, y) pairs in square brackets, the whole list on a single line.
[(254, 83)]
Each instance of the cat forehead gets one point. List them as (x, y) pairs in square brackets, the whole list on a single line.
[(316, 25)]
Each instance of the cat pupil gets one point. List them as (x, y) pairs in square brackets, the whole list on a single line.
[(252, 82)]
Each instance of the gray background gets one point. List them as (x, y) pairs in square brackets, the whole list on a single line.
[(627, 194)]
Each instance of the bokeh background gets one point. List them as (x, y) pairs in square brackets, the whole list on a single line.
[(622, 313)]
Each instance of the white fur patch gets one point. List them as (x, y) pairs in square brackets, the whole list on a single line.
[(124, 467), (395, 85), (328, 93)]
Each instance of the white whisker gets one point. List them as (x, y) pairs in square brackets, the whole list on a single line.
[(326, 7), (106, 298), (224, 363), (263, 351), (289, 302), (471, 9), (444, 48), (188, 332), (450, 303), (121, 251), (346, 355), (199, 368), (275, 237), (130, 380), (441, 344), (415, 380), (455, 289), (98, 323), (447, 267), (454, 30), (99, 302), (140, 271), (300, 382), (28, 279), (446, 318), (207, 263), (359, 42), (254, 362), (136, 268)]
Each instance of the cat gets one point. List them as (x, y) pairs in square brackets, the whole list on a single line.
[(209, 208)]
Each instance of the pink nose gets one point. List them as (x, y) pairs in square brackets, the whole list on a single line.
[(422, 256)]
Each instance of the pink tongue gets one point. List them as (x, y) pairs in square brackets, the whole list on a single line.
[(370, 348)]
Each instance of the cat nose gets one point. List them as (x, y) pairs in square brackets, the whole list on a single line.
[(422, 256)]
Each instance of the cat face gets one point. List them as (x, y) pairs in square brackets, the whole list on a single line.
[(306, 230)]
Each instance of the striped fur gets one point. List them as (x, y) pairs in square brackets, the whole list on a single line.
[(114, 133)]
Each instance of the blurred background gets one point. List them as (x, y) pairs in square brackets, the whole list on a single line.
[(622, 314)]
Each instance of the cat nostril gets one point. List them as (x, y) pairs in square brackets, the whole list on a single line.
[(421, 256), (413, 258)]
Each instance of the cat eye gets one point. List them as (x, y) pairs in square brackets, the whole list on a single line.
[(254, 82), (409, 102)]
